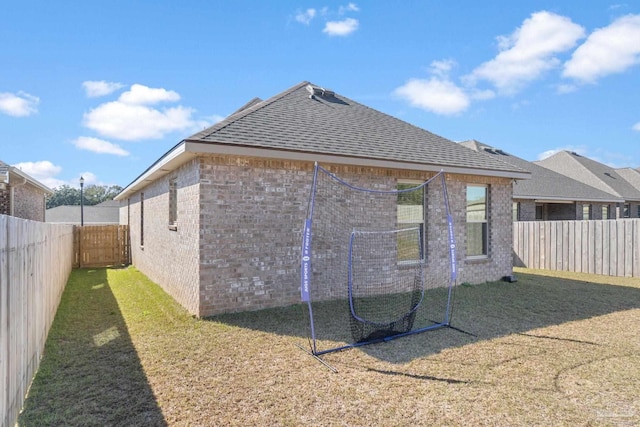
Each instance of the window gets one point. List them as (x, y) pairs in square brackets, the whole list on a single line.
[(605, 212), (539, 212), (586, 211), (638, 211), (626, 213), (477, 224), (515, 211), (411, 213), (173, 204), (141, 219)]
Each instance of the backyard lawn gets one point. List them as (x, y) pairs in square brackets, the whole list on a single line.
[(551, 349)]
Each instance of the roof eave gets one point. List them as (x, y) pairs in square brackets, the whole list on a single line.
[(30, 180), (560, 199), (188, 149)]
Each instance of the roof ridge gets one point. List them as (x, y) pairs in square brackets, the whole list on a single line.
[(244, 111)]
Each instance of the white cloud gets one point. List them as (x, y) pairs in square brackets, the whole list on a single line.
[(89, 179), (636, 127), (18, 105), (436, 94), (132, 118), (94, 89), (443, 67), (351, 7), (341, 28), (306, 16), (566, 88), (43, 171), (134, 122), (143, 95), (608, 50), (528, 52), (99, 146)]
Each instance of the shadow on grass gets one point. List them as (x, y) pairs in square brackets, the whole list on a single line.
[(489, 310), (90, 374)]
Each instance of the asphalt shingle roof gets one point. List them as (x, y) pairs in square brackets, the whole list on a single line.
[(107, 212), (336, 125), (544, 183), (592, 173)]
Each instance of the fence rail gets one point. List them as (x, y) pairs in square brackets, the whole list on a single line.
[(101, 245), (35, 262), (609, 247)]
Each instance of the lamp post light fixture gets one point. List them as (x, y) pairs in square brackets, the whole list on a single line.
[(81, 202)]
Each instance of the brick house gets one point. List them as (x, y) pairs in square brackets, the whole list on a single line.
[(21, 195), (552, 196), (623, 183), (217, 220)]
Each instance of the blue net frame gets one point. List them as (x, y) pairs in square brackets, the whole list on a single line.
[(376, 263)]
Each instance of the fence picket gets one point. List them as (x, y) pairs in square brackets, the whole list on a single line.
[(610, 247), (35, 262)]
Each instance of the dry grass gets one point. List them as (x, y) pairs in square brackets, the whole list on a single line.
[(552, 349)]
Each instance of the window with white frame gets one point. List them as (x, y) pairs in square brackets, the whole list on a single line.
[(605, 212), (515, 213), (626, 213), (586, 212), (477, 221), (411, 211)]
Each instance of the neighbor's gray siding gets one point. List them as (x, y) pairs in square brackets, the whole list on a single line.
[(169, 258)]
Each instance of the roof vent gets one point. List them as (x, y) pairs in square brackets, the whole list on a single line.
[(320, 91), (489, 150), (502, 153)]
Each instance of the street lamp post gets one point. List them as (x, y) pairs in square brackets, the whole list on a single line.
[(81, 202)]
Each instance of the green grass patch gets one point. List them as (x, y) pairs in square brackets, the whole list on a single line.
[(551, 349)]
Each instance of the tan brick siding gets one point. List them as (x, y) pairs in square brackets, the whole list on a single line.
[(237, 246), (253, 211), (28, 202), (169, 258)]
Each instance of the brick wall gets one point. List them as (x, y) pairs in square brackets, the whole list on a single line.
[(29, 202), (237, 244), (252, 216), (5, 201), (168, 257)]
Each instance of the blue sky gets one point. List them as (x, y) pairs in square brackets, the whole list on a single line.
[(103, 89)]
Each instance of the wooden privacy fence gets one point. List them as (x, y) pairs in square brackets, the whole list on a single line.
[(35, 263), (101, 245), (608, 247)]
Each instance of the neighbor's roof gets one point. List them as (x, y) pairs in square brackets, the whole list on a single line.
[(592, 173), (631, 175), (107, 212), (307, 122), (545, 184), (18, 174)]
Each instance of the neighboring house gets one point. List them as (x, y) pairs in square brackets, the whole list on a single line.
[(600, 176), (107, 212), (633, 177), (217, 220), (21, 195), (549, 195)]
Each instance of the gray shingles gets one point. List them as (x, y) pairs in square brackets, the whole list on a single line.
[(337, 125), (545, 183), (591, 172)]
